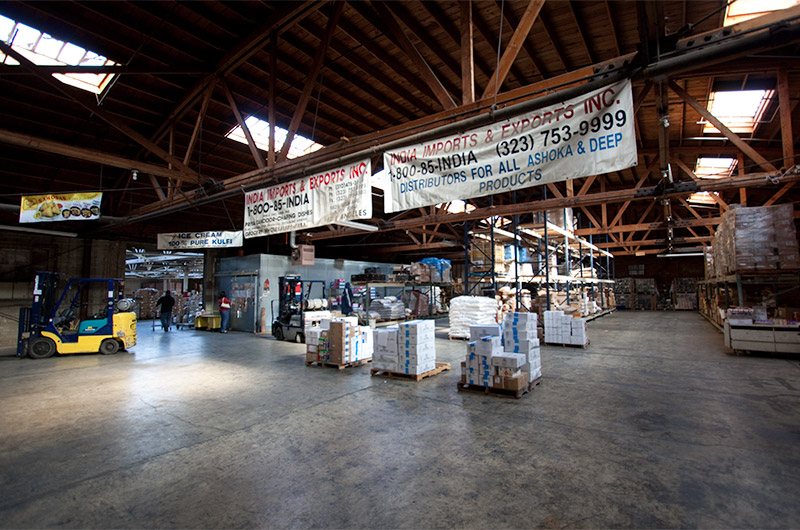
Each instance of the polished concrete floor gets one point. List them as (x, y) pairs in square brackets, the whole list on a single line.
[(652, 425)]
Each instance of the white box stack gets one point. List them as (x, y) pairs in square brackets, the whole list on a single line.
[(386, 351), (564, 329), (417, 347), (479, 368), (520, 338)]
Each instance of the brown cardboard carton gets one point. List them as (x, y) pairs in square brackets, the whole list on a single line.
[(517, 382)]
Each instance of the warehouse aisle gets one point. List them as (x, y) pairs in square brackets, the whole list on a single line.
[(652, 425)]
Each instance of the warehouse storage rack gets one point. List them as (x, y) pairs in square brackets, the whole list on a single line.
[(552, 246)]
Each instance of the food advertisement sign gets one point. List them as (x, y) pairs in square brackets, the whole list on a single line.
[(341, 194), (60, 207), (587, 135)]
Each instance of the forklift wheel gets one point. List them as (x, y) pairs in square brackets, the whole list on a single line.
[(109, 347), (300, 338), (41, 348), (277, 332)]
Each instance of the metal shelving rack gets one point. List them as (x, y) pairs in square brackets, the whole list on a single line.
[(548, 240)]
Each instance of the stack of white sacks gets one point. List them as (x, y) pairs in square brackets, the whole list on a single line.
[(564, 329), (407, 348), (468, 310), (505, 357)]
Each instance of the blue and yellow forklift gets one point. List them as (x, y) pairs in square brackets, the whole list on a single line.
[(90, 315)]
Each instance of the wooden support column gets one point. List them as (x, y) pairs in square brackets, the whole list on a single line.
[(742, 191), (467, 54), (786, 131)]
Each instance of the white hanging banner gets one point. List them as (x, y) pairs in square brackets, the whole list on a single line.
[(588, 135), (341, 194), (197, 240)]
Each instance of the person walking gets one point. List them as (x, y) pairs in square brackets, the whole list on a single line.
[(224, 312), (166, 302)]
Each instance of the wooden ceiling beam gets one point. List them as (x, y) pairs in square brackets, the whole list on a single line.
[(513, 48), (733, 137), (581, 31), (657, 241), (527, 45), (467, 53), (557, 46), (423, 68), (72, 94), (492, 38), (251, 144), (198, 125), (311, 79), (90, 155)]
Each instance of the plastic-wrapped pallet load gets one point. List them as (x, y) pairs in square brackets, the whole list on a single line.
[(389, 308), (468, 310), (564, 329), (347, 341)]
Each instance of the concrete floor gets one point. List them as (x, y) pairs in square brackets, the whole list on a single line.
[(653, 425)]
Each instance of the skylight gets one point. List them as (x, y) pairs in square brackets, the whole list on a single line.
[(742, 10), (702, 198), (457, 206), (714, 168), (260, 131), (739, 110), (45, 50)]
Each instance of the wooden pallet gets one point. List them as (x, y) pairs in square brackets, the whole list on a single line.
[(440, 367), (568, 345), (498, 392), (457, 338), (338, 366)]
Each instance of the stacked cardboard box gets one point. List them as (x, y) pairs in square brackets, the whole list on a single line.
[(491, 364), (147, 298), (385, 356), (564, 329), (344, 340), (417, 346), (408, 348), (623, 289), (520, 337), (317, 345), (756, 238), (480, 255), (468, 310)]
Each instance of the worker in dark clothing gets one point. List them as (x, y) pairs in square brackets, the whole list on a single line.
[(166, 302), (347, 299)]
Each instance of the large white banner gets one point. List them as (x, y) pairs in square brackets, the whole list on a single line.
[(199, 240), (588, 135), (338, 195)]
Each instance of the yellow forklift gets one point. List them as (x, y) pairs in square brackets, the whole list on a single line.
[(66, 323)]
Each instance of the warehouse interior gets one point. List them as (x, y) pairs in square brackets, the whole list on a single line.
[(493, 313)]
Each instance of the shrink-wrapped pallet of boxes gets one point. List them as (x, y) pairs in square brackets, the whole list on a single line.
[(564, 329), (761, 238), (468, 310)]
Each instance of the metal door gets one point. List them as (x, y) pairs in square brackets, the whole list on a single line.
[(241, 289)]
